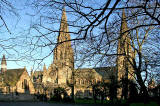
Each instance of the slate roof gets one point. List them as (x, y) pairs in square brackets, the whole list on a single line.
[(38, 86), (11, 76), (38, 73), (105, 72)]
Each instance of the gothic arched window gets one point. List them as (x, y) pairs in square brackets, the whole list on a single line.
[(61, 57), (25, 84)]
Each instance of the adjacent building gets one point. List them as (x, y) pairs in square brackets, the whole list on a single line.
[(15, 84)]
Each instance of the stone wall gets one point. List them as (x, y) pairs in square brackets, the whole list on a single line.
[(17, 97)]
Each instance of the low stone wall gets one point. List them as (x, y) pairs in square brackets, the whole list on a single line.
[(18, 97)]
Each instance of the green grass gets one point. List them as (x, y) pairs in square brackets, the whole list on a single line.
[(91, 101), (142, 104), (108, 103), (88, 101), (85, 101)]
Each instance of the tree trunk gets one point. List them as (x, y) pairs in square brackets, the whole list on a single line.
[(142, 85), (73, 93), (94, 94)]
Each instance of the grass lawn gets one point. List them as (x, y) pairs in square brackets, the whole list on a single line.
[(107, 102), (85, 101), (91, 101), (142, 104)]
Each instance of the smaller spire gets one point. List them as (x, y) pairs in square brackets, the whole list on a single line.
[(4, 59), (25, 68), (3, 64), (31, 71), (44, 68)]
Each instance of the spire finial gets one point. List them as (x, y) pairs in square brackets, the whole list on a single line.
[(124, 26), (123, 14), (63, 27), (64, 17), (25, 67)]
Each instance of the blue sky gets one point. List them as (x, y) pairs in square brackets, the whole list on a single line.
[(19, 25)]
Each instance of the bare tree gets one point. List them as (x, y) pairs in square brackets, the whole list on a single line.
[(87, 20), (92, 25), (7, 41)]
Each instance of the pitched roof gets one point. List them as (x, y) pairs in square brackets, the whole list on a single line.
[(11, 76), (37, 73), (105, 72)]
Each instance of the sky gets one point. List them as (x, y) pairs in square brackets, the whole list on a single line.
[(18, 26), (20, 37)]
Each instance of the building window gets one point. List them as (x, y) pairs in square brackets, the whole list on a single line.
[(61, 57), (24, 84), (82, 81), (86, 82)]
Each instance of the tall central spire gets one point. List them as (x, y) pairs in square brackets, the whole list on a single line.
[(63, 32), (63, 53)]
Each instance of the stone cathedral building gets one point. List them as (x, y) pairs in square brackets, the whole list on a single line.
[(60, 72)]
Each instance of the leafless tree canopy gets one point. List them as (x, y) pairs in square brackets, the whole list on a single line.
[(94, 26), (7, 45)]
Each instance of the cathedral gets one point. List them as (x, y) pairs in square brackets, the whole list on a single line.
[(61, 73)]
